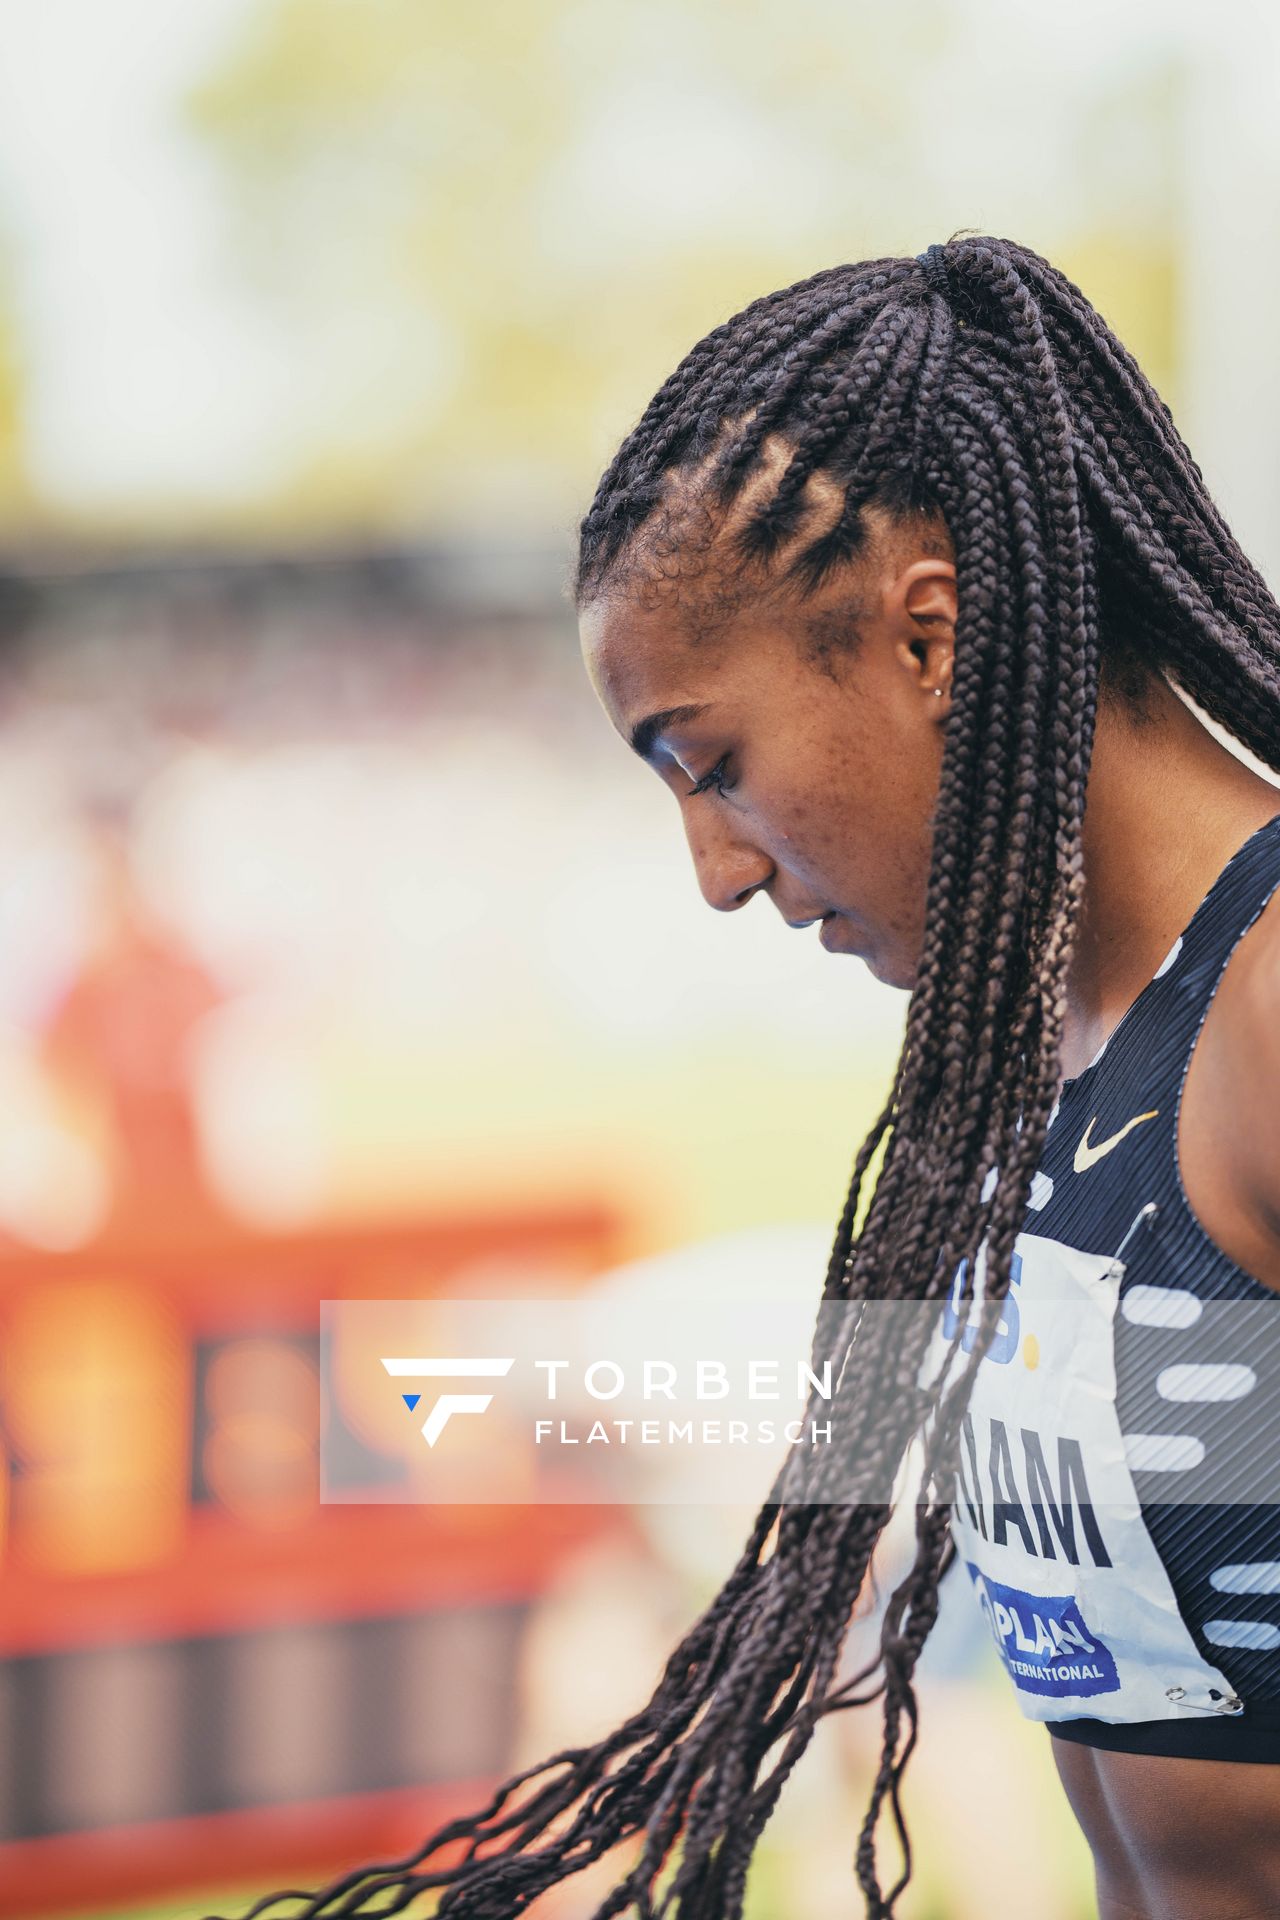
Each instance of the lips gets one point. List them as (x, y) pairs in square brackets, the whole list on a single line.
[(835, 934)]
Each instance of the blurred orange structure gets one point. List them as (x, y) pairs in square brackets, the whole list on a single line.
[(206, 1672)]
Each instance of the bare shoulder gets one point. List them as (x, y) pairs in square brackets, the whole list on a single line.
[(1229, 1127), (1254, 1038)]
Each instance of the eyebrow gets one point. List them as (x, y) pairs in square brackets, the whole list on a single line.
[(645, 732)]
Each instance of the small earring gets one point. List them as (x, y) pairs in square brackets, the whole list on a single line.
[(938, 691)]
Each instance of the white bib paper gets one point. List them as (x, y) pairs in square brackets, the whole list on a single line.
[(1047, 1520)]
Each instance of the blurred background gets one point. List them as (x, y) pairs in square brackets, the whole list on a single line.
[(345, 952)]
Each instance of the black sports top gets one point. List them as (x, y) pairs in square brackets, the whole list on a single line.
[(1197, 1392)]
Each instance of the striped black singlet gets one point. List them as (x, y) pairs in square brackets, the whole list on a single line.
[(1197, 1387)]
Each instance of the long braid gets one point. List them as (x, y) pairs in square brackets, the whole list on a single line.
[(985, 391)]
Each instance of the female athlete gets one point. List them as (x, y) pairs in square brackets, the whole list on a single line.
[(896, 585)]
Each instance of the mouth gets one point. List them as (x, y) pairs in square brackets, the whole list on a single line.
[(834, 930), (835, 934)]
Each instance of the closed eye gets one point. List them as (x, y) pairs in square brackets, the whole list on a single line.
[(712, 781)]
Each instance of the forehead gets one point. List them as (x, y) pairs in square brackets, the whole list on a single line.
[(641, 659)]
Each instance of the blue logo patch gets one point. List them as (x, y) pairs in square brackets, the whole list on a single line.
[(1004, 1342), (1044, 1642)]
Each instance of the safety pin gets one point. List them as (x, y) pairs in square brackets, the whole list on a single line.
[(1116, 1267), (1228, 1703)]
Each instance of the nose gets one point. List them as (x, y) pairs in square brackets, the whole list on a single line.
[(729, 867)]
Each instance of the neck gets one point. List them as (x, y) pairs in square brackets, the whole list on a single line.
[(1167, 806)]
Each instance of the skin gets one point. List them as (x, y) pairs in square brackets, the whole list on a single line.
[(830, 786)]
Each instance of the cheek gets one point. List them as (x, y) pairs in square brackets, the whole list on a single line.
[(842, 802), (826, 820), (861, 824)]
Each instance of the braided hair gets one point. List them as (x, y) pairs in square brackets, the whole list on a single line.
[(977, 386)]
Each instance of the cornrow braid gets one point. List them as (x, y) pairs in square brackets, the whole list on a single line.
[(976, 384)]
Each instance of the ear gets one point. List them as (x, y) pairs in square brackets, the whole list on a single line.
[(921, 605)]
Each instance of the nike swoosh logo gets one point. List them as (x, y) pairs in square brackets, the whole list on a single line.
[(1087, 1153)]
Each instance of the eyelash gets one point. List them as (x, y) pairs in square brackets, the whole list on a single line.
[(712, 781)]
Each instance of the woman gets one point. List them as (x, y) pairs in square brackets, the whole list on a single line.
[(889, 585)]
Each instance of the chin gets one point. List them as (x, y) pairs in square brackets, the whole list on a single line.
[(889, 973)]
